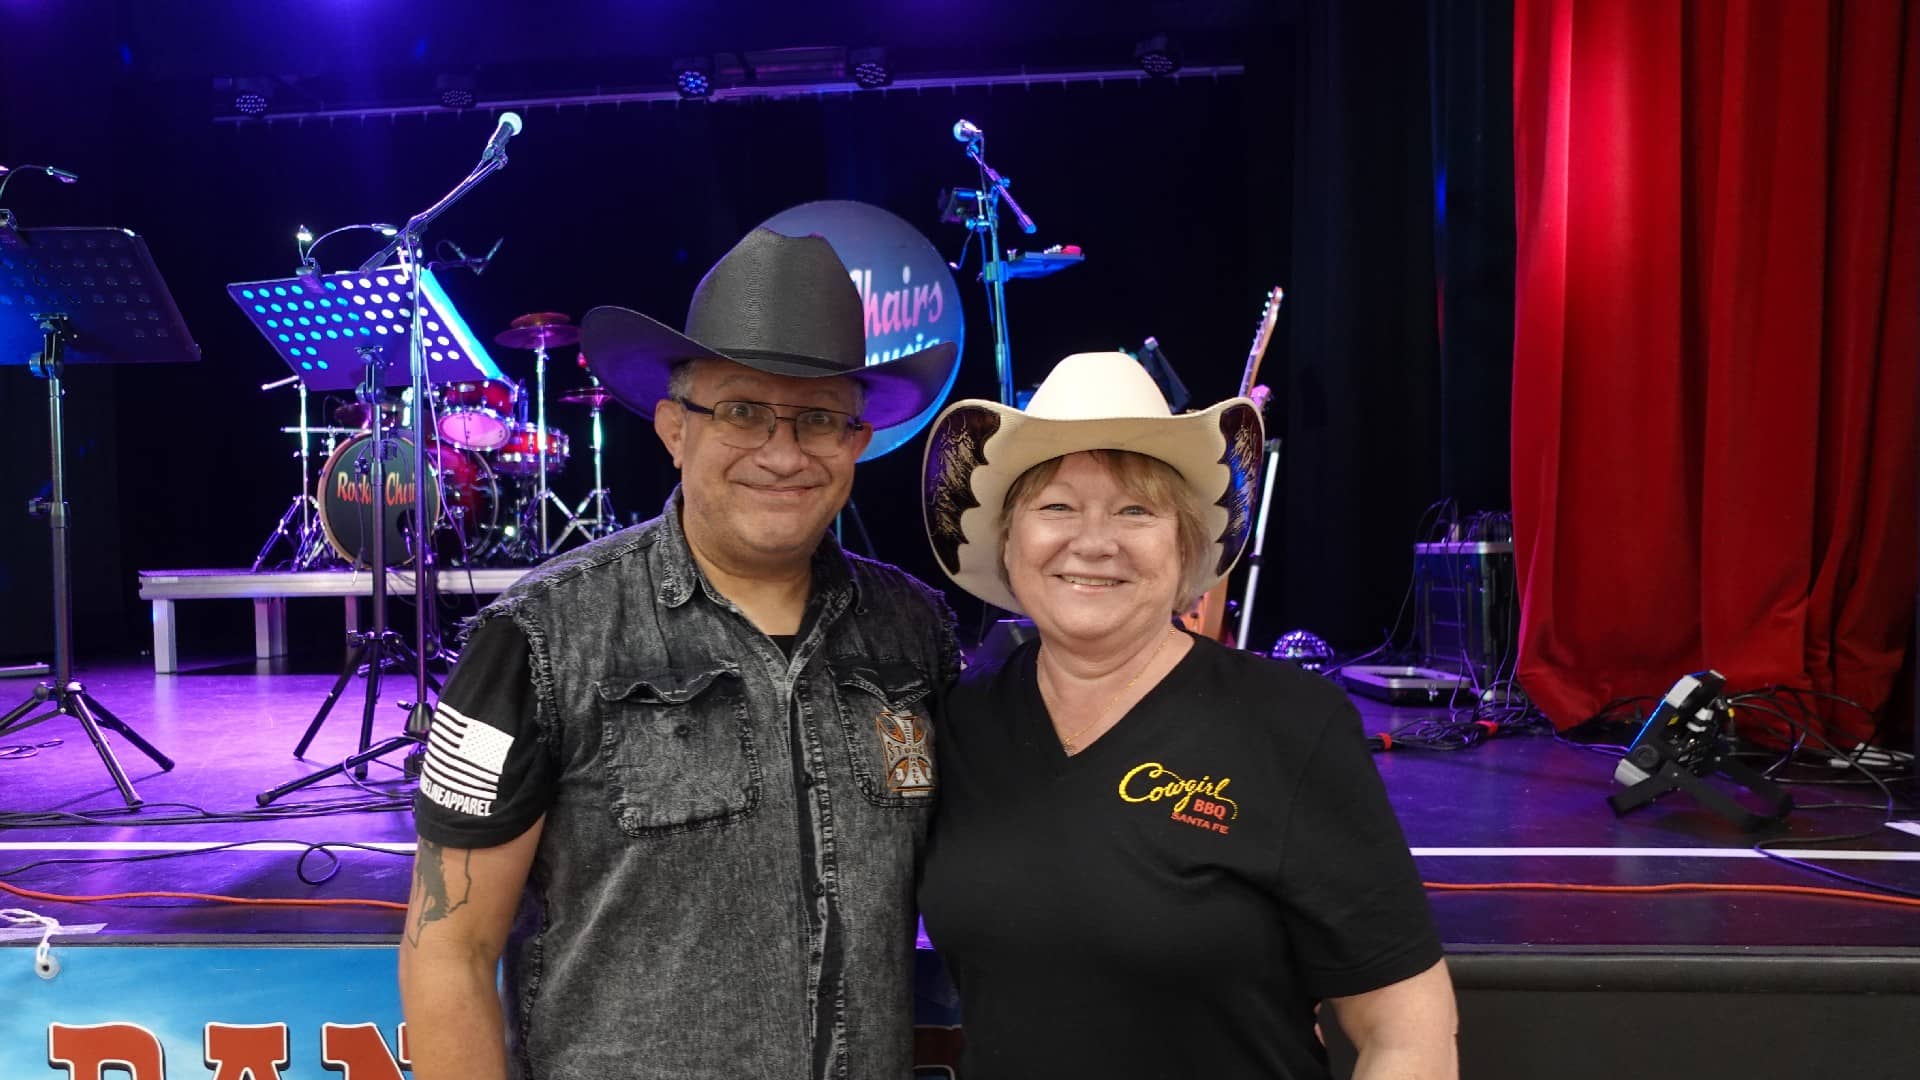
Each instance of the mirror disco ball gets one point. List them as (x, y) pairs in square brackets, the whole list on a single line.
[(1304, 649)]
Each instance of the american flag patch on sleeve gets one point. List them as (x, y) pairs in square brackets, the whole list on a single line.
[(465, 758)]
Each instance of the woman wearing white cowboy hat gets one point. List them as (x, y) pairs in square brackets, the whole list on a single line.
[(1153, 855)]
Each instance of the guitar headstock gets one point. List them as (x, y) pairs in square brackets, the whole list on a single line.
[(1269, 317)]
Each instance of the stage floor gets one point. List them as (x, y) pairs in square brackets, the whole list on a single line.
[(1523, 809)]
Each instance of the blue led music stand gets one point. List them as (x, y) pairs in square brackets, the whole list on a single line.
[(317, 324), (352, 331)]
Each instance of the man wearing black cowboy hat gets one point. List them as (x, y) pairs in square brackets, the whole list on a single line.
[(681, 775)]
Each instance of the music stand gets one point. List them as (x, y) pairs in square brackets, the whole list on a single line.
[(317, 323), (81, 296), (425, 347), (334, 331)]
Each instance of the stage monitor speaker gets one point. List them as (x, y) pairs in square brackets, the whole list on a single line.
[(1466, 607)]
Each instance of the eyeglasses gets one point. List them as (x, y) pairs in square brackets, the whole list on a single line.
[(748, 425)]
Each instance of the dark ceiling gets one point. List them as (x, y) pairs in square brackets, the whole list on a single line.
[(373, 50), (349, 53)]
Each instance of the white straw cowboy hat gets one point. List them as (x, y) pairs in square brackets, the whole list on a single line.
[(1090, 401)]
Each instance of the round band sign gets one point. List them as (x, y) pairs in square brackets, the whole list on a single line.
[(906, 291)]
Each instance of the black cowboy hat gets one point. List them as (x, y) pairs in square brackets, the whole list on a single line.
[(780, 304)]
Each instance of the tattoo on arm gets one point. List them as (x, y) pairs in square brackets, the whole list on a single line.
[(434, 896)]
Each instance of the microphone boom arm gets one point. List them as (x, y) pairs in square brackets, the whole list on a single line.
[(1001, 187)]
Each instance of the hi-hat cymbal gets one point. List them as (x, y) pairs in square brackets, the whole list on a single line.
[(354, 413), (592, 396), (542, 329)]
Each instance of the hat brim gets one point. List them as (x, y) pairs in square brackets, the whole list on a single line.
[(977, 450), (634, 354)]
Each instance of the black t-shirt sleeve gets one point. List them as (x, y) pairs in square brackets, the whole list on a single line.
[(488, 775), (1355, 908)]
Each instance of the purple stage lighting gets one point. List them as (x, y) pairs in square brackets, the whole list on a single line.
[(693, 83), (870, 68), (456, 91), (1157, 57)]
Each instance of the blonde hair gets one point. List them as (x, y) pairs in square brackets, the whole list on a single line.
[(1151, 481)]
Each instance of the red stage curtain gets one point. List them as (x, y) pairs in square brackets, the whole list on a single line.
[(1716, 340)]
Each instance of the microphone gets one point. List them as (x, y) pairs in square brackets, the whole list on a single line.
[(966, 131), (487, 259), (508, 127), (479, 265), (61, 175)]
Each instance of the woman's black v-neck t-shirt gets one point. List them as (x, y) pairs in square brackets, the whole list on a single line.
[(1175, 899)]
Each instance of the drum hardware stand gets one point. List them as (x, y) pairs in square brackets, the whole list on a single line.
[(545, 494), (63, 695), (601, 522), (539, 332), (419, 713), (309, 544)]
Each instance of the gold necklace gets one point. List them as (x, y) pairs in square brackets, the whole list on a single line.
[(1067, 742)]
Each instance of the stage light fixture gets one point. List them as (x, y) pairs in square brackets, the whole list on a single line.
[(1157, 56), (693, 77), (456, 91), (249, 96), (870, 68)]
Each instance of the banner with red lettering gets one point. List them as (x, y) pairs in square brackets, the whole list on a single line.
[(133, 1012)]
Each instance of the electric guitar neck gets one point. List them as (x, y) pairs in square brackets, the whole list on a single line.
[(1209, 614)]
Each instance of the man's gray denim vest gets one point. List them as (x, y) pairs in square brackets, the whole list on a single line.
[(728, 865)]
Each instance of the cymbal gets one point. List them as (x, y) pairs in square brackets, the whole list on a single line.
[(592, 396), (542, 329), (354, 413)]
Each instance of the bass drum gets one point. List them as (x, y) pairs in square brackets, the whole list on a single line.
[(461, 483)]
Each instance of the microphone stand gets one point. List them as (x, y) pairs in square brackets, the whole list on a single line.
[(413, 260), (407, 244), (993, 188)]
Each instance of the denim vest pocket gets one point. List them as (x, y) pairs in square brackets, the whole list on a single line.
[(678, 749), (889, 728)]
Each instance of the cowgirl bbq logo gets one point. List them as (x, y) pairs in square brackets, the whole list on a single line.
[(1201, 803)]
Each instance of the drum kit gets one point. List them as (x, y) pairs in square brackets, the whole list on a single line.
[(490, 464)]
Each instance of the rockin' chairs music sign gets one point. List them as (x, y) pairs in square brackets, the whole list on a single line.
[(908, 293)]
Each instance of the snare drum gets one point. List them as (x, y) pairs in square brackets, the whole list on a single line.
[(461, 480), (478, 414), (519, 455)]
